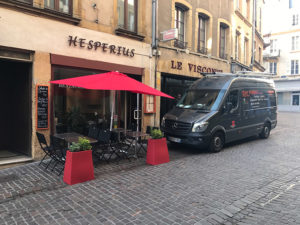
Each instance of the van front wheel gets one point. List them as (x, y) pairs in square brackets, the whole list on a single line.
[(217, 142), (265, 133)]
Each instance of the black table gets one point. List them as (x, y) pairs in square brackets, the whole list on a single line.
[(73, 137)]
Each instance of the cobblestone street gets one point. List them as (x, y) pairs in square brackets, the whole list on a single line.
[(250, 182)]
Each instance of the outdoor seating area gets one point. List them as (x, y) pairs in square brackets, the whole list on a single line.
[(107, 146)]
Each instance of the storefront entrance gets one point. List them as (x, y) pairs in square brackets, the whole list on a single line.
[(175, 86), (15, 113)]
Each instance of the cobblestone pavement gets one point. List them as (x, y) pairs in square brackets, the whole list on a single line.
[(249, 182)]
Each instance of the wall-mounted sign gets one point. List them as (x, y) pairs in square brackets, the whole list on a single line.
[(169, 35), (177, 65), (100, 46), (42, 106), (149, 104)]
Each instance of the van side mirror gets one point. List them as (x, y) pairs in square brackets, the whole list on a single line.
[(228, 106)]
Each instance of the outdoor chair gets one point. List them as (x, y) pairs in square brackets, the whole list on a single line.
[(93, 132), (46, 148), (106, 148), (59, 153)]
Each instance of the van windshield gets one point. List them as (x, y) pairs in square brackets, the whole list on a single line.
[(198, 99)]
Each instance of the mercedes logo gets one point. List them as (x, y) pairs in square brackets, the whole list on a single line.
[(175, 125)]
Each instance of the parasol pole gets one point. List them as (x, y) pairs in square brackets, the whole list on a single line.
[(112, 109)]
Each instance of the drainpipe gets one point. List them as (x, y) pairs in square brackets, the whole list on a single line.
[(154, 41), (154, 24), (253, 35)]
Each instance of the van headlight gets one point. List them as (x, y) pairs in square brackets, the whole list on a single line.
[(163, 121), (200, 126)]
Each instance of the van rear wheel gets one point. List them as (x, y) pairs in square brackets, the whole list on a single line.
[(217, 142), (265, 133)]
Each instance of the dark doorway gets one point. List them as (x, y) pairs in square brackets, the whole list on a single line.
[(175, 86), (15, 113)]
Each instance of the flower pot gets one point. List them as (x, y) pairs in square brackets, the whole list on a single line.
[(157, 151), (78, 167)]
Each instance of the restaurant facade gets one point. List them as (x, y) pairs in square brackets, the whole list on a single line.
[(38, 45)]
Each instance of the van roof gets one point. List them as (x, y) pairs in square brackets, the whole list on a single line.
[(223, 81)]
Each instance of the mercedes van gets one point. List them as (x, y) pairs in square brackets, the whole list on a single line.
[(222, 108)]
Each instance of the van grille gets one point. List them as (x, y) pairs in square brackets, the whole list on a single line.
[(177, 127)]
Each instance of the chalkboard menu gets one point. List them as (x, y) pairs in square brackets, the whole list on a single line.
[(42, 103)]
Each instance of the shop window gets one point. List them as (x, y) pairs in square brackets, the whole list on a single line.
[(180, 11), (63, 6), (223, 41), (202, 33), (127, 15)]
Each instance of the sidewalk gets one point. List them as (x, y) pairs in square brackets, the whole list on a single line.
[(31, 178)]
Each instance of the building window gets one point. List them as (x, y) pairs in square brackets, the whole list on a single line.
[(295, 42), (259, 54), (237, 45), (248, 9), (295, 67), (222, 48), (295, 19), (290, 4), (59, 5), (202, 33), (273, 67), (180, 11), (26, 1), (127, 15), (246, 51), (273, 46)]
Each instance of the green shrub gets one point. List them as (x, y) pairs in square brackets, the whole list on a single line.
[(82, 145), (156, 134)]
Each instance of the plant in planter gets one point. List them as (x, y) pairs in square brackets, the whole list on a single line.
[(157, 149), (79, 162)]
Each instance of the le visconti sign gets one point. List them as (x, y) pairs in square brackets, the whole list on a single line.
[(100, 46), (177, 65)]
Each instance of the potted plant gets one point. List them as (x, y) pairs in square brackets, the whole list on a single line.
[(79, 162), (157, 149)]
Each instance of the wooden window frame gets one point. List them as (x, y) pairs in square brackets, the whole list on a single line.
[(223, 27), (205, 18), (177, 9), (126, 16), (56, 7)]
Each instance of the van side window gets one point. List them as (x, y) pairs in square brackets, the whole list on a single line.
[(233, 97)]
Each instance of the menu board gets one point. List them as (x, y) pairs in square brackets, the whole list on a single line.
[(42, 106)]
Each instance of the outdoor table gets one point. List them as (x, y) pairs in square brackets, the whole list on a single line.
[(136, 135), (73, 137), (119, 131)]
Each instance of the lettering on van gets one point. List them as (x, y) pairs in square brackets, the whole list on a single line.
[(255, 99), (100, 46), (177, 65)]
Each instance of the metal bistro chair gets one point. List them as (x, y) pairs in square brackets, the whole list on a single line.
[(46, 148), (105, 148), (59, 149), (93, 132)]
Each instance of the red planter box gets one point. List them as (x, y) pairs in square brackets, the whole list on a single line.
[(78, 167), (157, 151)]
